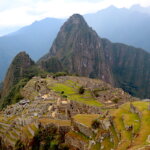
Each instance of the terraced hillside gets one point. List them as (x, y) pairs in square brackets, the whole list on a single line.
[(121, 129), (75, 113)]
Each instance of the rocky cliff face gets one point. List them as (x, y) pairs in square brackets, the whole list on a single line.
[(130, 67), (81, 51), (16, 71)]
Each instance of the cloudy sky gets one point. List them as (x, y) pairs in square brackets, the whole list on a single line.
[(16, 13)]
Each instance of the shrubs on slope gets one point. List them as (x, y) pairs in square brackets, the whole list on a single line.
[(14, 95), (49, 139), (81, 90)]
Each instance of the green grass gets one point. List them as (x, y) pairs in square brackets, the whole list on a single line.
[(88, 101), (115, 137), (119, 125), (141, 126), (107, 144), (132, 119), (85, 118), (145, 122), (58, 87), (141, 105), (72, 93), (72, 84)]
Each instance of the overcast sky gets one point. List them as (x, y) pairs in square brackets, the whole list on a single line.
[(23, 12)]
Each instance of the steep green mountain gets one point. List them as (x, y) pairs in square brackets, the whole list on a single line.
[(81, 51), (17, 70), (130, 68), (20, 71)]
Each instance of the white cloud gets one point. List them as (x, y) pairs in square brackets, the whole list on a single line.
[(23, 12)]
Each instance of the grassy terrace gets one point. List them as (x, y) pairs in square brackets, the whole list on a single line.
[(57, 122), (85, 119), (70, 89), (115, 137), (141, 129), (144, 131), (107, 144), (125, 136), (132, 119)]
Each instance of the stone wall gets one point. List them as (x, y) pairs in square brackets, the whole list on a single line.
[(82, 128), (80, 108), (133, 109)]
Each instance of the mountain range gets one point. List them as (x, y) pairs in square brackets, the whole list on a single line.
[(43, 108), (129, 26), (122, 25)]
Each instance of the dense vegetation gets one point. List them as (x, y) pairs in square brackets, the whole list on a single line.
[(1, 87), (14, 94), (49, 138), (52, 65)]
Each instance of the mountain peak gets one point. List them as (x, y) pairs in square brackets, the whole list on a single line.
[(76, 19), (75, 45), (22, 54), (112, 8), (23, 58), (16, 71)]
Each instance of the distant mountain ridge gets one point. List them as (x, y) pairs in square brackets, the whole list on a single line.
[(122, 25), (79, 49), (139, 8), (127, 26), (35, 39)]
